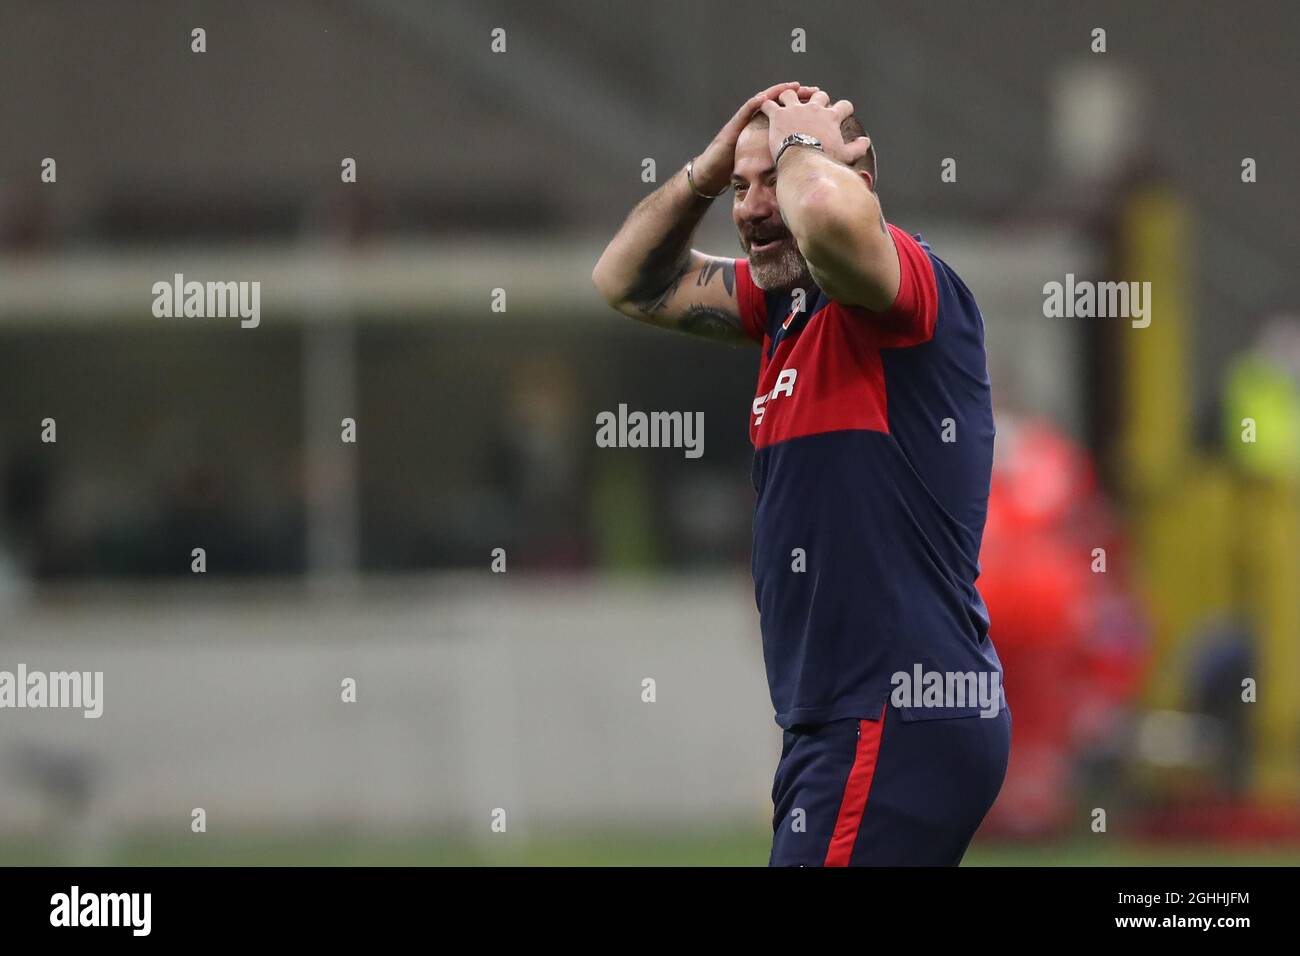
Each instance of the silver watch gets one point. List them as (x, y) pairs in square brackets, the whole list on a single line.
[(796, 139)]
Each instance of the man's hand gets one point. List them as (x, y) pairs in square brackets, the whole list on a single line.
[(787, 114), (712, 169), (649, 270), (829, 206)]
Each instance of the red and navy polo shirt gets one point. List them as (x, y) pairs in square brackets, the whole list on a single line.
[(873, 438)]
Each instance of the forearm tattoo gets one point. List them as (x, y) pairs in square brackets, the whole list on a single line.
[(662, 269), (713, 267), (658, 282), (657, 302), (706, 273), (712, 322)]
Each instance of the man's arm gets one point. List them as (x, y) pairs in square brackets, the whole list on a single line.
[(649, 270), (830, 207)]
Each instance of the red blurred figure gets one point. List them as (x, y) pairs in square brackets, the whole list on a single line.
[(1067, 631)]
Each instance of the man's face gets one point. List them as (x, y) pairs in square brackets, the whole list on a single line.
[(774, 259)]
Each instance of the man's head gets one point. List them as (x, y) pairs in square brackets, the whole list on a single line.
[(774, 259)]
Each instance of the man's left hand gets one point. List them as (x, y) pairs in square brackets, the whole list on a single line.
[(817, 118)]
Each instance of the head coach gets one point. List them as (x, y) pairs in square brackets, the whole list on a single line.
[(872, 425)]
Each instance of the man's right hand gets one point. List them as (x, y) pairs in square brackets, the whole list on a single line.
[(712, 169)]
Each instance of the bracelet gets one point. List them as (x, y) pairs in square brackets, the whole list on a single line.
[(690, 178)]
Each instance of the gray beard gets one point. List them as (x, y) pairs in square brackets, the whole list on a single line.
[(778, 273)]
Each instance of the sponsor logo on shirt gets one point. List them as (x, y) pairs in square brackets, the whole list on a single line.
[(784, 386)]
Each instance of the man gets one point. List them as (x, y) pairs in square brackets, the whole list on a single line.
[(873, 435)]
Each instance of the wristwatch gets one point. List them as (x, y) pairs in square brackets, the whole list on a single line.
[(796, 139)]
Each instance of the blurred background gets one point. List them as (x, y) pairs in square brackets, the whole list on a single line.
[(1142, 557)]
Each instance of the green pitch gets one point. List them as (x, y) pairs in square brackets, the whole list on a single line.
[(738, 848)]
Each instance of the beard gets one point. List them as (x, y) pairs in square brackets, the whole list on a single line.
[(778, 268)]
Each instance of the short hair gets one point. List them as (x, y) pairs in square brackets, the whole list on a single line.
[(850, 129)]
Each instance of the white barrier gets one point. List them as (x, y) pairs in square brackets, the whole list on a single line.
[(473, 693)]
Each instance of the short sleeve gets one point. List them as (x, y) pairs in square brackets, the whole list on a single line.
[(751, 303), (916, 307)]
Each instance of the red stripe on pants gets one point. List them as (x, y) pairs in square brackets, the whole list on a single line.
[(856, 791)]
